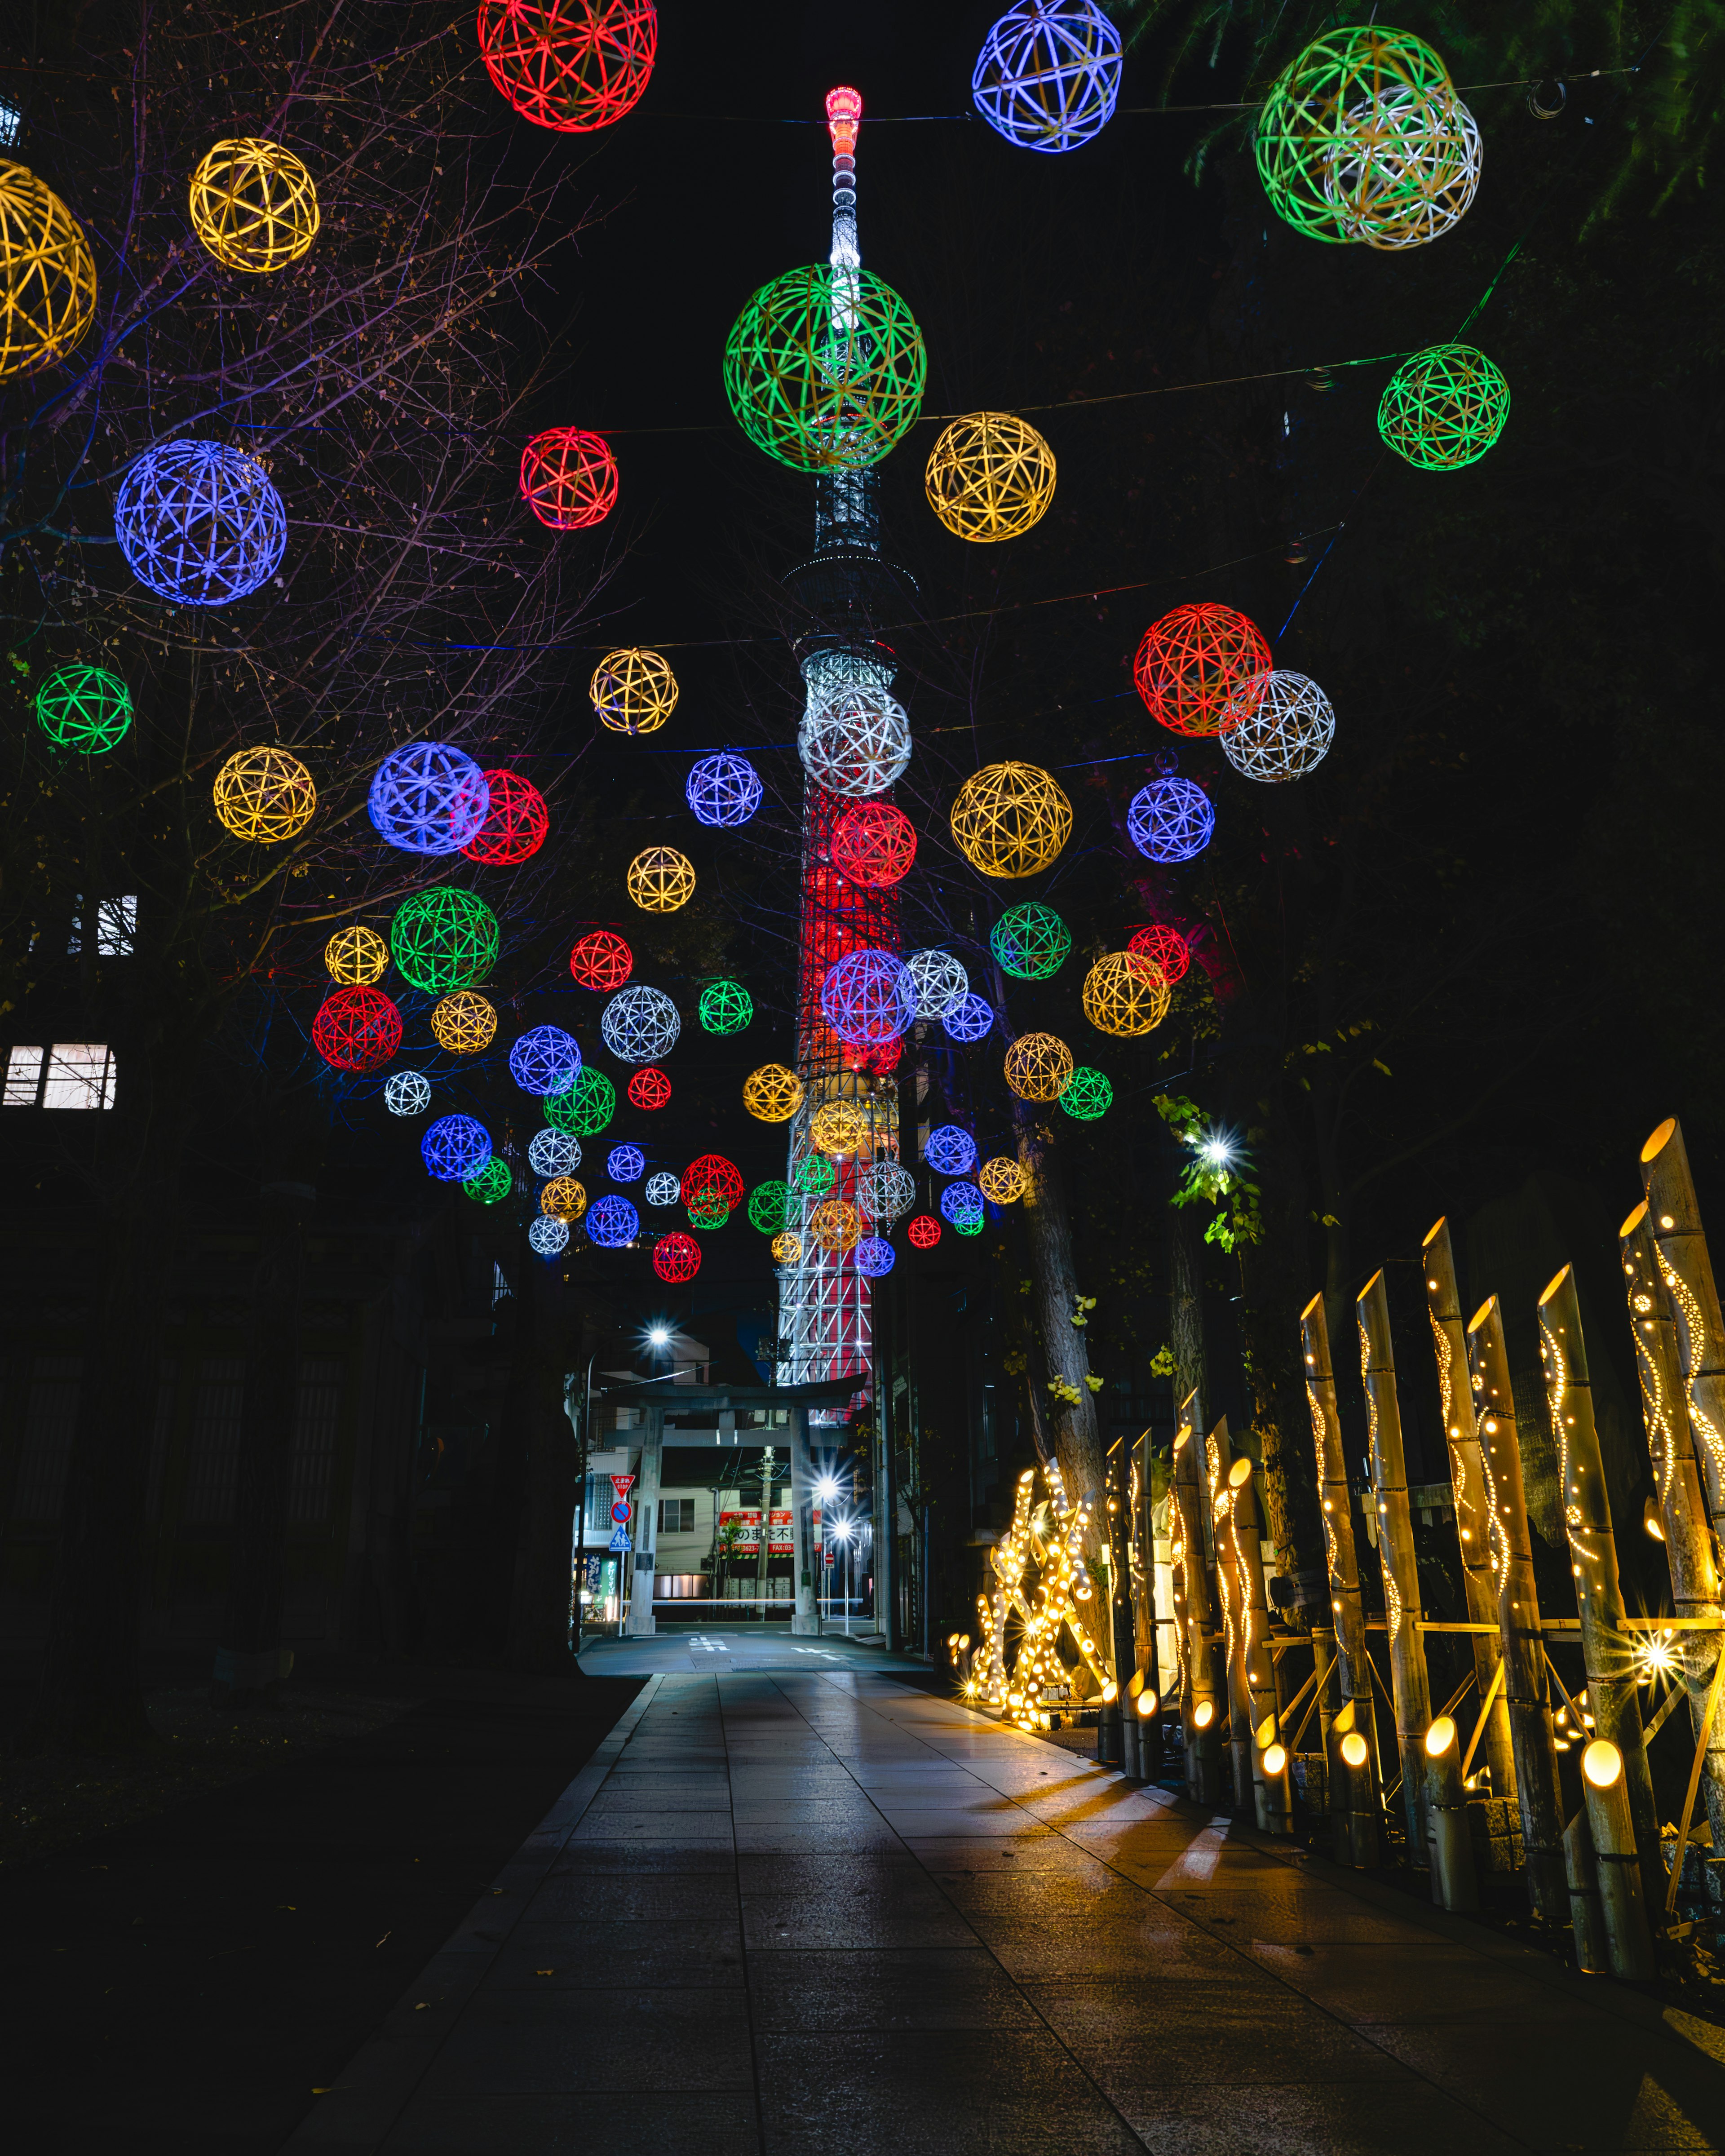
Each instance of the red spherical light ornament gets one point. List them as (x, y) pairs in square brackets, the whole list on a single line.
[(358, 1028), (713, 1173), (1165, 947), (1191, 661), (569, 479), (924, 1232), (648, 1088), (602, 960), (873, 844), (517, 823), (676, 1259), (570, 65)]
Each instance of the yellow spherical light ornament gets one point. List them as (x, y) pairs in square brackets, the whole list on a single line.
[(48, 286), (357, 956), (1125, 993), (1038, 1066), (464, 1023), (1002, 1180), (772, 1094), (661, 879), (991, 476), (634, 692), (786, 1247), (562, 1199), (1010, 819), (837, 1129), (265, 794), (253, 205), (836, 1226)]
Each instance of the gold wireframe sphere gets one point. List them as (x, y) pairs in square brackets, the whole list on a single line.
[(991, 476), (357, 956), (836, 1226), (1125, 993), (253, 205), (1010, 819), (634, 692), (562, 1199), (1002, 1180), (48, 286), (786, 1247), (838, 1128), (265, 794), (1038, 1066), (661, 879), (772, 1094), (464, 1023)]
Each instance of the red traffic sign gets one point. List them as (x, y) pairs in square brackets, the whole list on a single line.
[(620, 1512)]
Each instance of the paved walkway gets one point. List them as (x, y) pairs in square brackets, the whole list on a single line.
[(820, 1914)]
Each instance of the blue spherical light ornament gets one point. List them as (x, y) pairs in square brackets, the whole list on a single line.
[(1171, 820), (545, 1060), (950, 1150), (200, 523), (407, 1093), (969, 1019), (640, 1024), (455, 1147), (430, 799), (626, 1163), (611, 1223), (868, 998), (554, 1153), (962, 1203), (549, 1235), (663, 1188), (874, 1255), (725, 790), (1049, 73)]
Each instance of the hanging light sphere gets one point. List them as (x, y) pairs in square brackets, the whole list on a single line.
[(464, 1023), (1284, 730), (868, 998), (1031, 942), (836, 1226), (1038, 1066), (199, 523), (1190, 663), (991, 476), (1010, 819), (587, 1107), (562, 1199), (548, 1236), (874, 1257), (1002, 1181), (941, 982), (356, 955), (1088, 1094), (357, 1028), (407, 1093), (676, 1259), (1444, 407), (569, 64), (661, 879), (969, 1020), (824, 368), (951, 1150), (725, 1007), (650, 1089), (569, 478), (885, 1193), (1406, 169), (924, 1232), (455, 1147), (554, 1154), (639, 1024), (601, 960), (544, 1060), (873, 844), (266, 795), (836, 1128), (772, 1094), (429, 799), (443, 938), (662, 1189), (1171, 819), (253, 205), (724, 790), (713, 1173), (786, 1247), (634, 692), (856, 743), (48, 283), (611, 1223), (961, 1204), (766, 1207), (1165, 947), (813, 1175), (625, 1163), (83, 707), (1048, 74), (1125, 993), (515, 823), (707, 1210), (493, 1183)]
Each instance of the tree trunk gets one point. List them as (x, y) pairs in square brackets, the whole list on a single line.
[(538, 1635), (1185, 1265), (1076, 1433)]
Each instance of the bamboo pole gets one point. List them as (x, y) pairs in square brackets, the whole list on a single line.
[(1524, 1678), (1681, 1249), (1272, 1796), (1141, 1701), (1230, 1594), (1682, 1517), (1454, 1884), (1629, 1935), (1403, 1607), (1587, 1919), (1607, 1651), (1200, 1695)]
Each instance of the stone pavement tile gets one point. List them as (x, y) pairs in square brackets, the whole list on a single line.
[(844, 1918), (762, 1838), (1154, 1944), (679, 1951), (960, 1988), (852, 1810), (1342, 2118), (795, 1871), (1290, 1919), (1036, 1851), (517, 2042), (1014, 1890), (935, 2092), (507, 2125), (1001, 1821), (708, 1829), (644, 1797), (611, 1897), (594, 1858), (1224, 2026), (1371, 1980)]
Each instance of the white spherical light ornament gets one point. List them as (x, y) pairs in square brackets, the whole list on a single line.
[(663, 1188), (640, 1024), (942, 981), (857, 743), (885, 1193), (554, 1153), (407, 1093), (549, 1235), (1277, 726)]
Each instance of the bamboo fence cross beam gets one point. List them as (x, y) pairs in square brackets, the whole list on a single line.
[(1479, 1728)]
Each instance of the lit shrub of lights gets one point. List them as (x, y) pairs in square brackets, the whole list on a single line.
[(611, 1223), (772, 1094), (713, 1172), (253, 205), (554, 1153), (585, 1108), (868, 998), (873, 1258), (766, 1207), (493, 1183), (516, 825), (548, 1236), (601, 960), (1284, 730), (813, 1176), (625, 1163), (455, 1148), (1087, 1095), (569, 478), (836, 1226), (951, 1150), (824, 368), (464, 1023), (873, 844), (1190, 662), (640, 1023), (1125, 994), (407, 1093), (707, 1210), (650, 1089), (724, 790), (563, 1198), (857, 743), (83, 707), (1002, 1181), (1048, 74), (1031, 942), (573, 65), (356, 955), (676, 1259), (662, 1189), (786, 1247), (661, 879), (429, 799), (924, 1232), (266, 795), (443, 938), (1170, 819), (990, 476), (1011, 819), (1444, 407), (941, 981), (357, 1028), (47, 282), (545, 1060), (634, 692), (1165, 947), (199, 523), (969, 1020), (1038, 1066), (725, 1007), (885, 1192), (962, 1203)]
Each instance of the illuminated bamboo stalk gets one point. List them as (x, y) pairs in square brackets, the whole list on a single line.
[(1629, 1935), (1587, 1919), (1454, 1884), (1272, 1794), (1200, 1700), (1467, 1489), (1524, 1678), (1686, 1271), (1401, 1606), (1607, 1653), (1231, 1593), (1142, 1702)]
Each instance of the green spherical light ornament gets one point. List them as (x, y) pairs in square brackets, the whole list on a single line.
[(1444, 407), (1088, 1094), (725, 1006), (971, 1226), (444, 939), (492, 1182), (585, 1108), (824, 368), (766, 1207), (813, 1176), (83, 707), (1031, 942), (707, 1208)]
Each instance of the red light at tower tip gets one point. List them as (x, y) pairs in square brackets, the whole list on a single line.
[(843, 111)]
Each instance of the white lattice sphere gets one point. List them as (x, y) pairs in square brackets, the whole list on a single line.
[(549, 1235), (663, 1188), (553, 1153), (885, 1193), (407, 1093), (640, 1024), (1277, 726), (1405, 169), (856, 743), (941, 981)]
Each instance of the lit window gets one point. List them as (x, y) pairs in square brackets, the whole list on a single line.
[(116, 928), (70, 1075), (23, 1077)]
